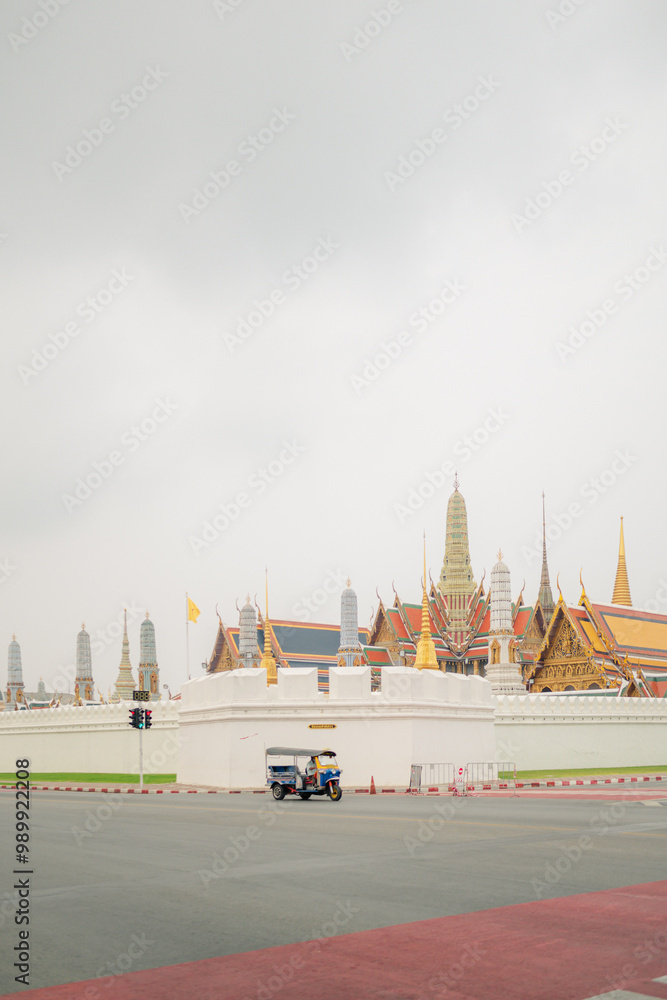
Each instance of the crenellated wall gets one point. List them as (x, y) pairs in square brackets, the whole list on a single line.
[(418, 716), (540, 732), (89, 739)]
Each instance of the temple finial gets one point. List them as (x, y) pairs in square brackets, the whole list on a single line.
[(456, 479), (519, 601)]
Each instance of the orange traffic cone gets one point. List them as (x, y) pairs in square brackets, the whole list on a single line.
[(373, 789)]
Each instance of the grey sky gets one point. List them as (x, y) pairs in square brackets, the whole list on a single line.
[(482, 105)]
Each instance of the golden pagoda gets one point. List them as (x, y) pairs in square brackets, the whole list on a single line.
[(268, 661), (426, 658), (622, 584)]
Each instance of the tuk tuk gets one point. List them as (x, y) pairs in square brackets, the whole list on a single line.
[(303, 773)]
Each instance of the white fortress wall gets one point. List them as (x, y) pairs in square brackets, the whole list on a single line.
[(229, 719), (226, 720), (90, 739), (539, 732)]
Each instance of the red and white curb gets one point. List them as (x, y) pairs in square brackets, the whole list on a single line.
[(565, 783)]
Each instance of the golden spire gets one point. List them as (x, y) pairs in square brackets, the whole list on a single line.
[(268, 661), (622, 585), (426, 658)]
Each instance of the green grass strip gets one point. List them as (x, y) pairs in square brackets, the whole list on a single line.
[(91, 779), (593, 771)]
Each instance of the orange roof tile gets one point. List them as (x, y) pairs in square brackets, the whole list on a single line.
[(521, 620), (399, 628)]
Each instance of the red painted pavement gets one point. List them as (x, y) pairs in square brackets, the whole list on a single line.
[(585, 795), (571, 948)]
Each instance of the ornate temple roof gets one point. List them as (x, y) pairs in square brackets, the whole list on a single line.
[(294, 644), (627, 647)]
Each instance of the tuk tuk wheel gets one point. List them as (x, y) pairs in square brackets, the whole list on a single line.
[(305, 795), (278, 791), (335, 792)]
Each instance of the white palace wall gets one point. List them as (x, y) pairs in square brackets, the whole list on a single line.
[(89, 739), (541, 732), (229, 719), (226, 720)]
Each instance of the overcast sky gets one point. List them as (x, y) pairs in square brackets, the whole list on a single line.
[(271, 271)]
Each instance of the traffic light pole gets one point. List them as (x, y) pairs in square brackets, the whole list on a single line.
[(141, 758), (139, 719)]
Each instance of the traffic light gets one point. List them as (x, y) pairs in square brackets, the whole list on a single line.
[(137, 718), (148, 716)]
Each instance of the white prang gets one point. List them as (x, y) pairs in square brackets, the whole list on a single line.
[(248, 649), (501, 670)]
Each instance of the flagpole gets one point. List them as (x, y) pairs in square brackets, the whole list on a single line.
[(187, 636)]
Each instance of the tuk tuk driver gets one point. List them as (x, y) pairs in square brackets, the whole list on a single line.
[(311, 770)]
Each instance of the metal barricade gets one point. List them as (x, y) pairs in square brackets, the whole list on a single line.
[(461, 779), (435, 775), (491, 774), (415, 779)]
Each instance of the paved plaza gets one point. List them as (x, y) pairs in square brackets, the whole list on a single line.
[(372, 896)]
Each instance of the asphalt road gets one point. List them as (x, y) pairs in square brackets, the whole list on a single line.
[(123, 883)]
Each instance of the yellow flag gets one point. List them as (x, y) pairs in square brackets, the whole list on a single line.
[(193, 611)]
